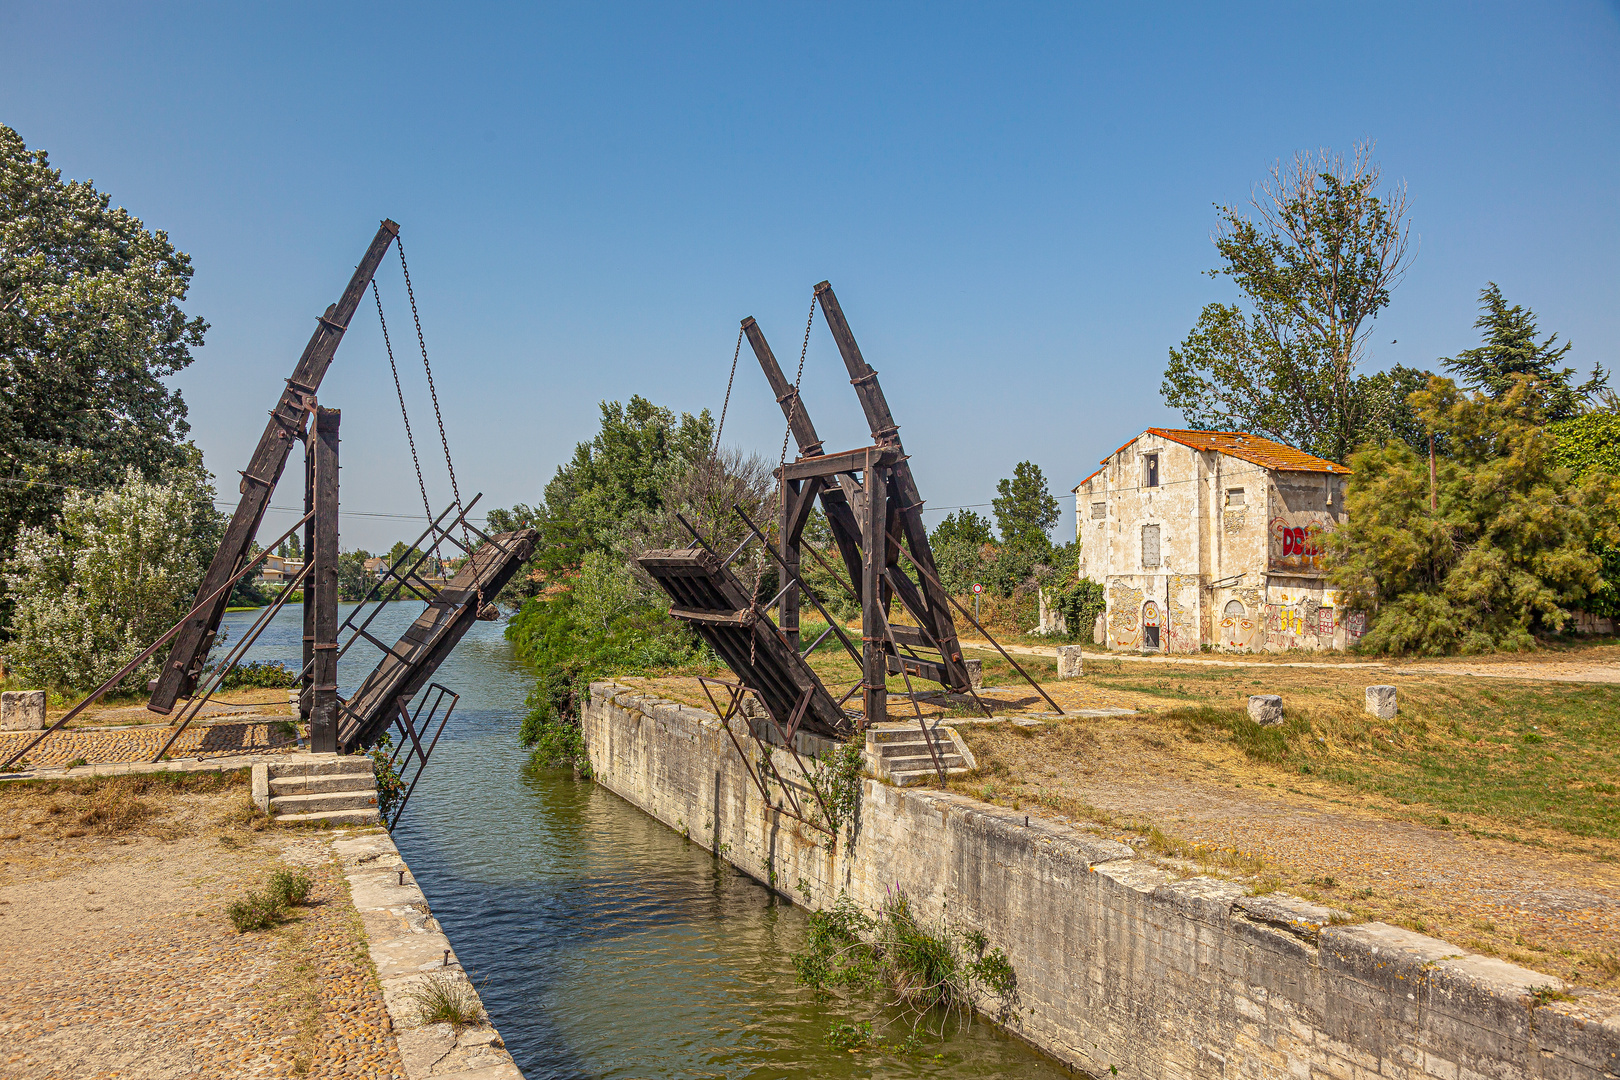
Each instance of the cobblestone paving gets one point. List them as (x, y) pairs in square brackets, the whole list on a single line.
[(200, 740), (120, 961)]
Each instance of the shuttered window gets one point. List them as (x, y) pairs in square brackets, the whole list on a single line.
[(1150, 545), (1099, 511)]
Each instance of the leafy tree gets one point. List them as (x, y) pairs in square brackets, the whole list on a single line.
[(1509, 550), (1025, 509), (963, 525), (1315, 265), (1387, 398), (354, 580), (1586, 444), (291, 548), (121, 568), (90, 325), (1510, 350)]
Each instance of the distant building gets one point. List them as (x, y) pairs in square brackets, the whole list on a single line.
[(1213, 538), (376, 566), (277, 570)]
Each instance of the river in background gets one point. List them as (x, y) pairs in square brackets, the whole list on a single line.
[(602, 943)]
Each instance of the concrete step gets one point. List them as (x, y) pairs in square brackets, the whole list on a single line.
[(320, 803), (333, 817), (907, 777), (320, 765), (310, 785), (909, 733), (951, 760)]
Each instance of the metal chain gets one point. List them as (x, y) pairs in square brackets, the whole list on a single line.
[(432, 390), (409, 438), (729, 381)]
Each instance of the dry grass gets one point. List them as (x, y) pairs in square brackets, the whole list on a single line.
[(154, 804)]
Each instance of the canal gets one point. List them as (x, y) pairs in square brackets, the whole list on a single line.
[(602, 943)]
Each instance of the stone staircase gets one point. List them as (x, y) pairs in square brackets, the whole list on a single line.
[(339, 789), (899, 753)]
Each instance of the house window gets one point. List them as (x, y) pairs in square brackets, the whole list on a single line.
[(1099, 511), (1150, 625), (1150, 545), (1234, 496), (1150, 470)]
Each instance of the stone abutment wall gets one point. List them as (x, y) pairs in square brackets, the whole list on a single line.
[(1119, 962)]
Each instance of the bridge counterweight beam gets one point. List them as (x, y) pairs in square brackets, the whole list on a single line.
[(323, 584)]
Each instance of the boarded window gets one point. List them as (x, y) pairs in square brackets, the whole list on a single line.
[(1234, 496), (1150, 545), (1099, 511), (1150, 470), (1324, 622)]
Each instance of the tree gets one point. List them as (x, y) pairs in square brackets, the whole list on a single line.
[(354, 580), (290, 548), (120, 570), (1315, 265), (962, 526), (90, 324), (1025, 509), (1507, 553), (1510, 350)]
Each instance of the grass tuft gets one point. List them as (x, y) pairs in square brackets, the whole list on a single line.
[(445, 999)]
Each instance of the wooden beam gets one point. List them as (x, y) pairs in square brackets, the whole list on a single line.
[(179, 673), (845, 461), (323, 584)]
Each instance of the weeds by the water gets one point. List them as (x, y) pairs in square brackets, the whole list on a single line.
[(266, 908), (445, 999), (920, 966)]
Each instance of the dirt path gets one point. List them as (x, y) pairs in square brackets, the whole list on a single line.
[(1551, 910), (1554, 668), (120, 961)]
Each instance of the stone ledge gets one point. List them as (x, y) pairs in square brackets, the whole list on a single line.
[(407, 946)]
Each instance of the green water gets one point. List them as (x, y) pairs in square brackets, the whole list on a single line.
[(605, 945)]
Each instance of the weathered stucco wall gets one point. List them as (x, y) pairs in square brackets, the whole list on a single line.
[(1119, 963)]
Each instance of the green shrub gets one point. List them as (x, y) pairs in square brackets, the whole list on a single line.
[(288, 887), (256, 675), (1080, 604), (390, 784), (256, 911)]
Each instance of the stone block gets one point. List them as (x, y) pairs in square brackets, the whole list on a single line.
[(22, 710), (1265, 709), (975, 670), (1381, 702), (1068, 658), (261, 785)]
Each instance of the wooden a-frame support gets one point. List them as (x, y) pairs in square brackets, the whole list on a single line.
[(871, 504)]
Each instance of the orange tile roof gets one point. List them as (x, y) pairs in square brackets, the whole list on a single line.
[(1240, 444)]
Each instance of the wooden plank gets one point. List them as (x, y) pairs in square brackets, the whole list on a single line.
[(874, 694), (867, 457), (179, 673), (322, 584), (719, 618)]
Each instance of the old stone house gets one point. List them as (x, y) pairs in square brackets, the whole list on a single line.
[(1212, 538)]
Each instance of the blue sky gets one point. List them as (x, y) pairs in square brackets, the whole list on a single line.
[(1012, 201)]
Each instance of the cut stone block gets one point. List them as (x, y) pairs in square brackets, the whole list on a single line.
[(1068, 658), (1265, 709), (22, 710), (975, 670), (1381, 702)]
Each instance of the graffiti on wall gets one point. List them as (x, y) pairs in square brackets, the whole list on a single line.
[(1185, 632), (1297, 541), (1239, 625), (1124, 607), (1299, 620)]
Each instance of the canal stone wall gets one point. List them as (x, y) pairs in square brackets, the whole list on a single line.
[(1121, 965)]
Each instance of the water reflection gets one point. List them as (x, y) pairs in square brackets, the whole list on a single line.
[(603, 944)]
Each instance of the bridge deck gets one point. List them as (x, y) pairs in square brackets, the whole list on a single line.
[(428, 640), (708, 597)]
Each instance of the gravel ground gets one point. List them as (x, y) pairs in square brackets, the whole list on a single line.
[(1535, 902), (120, 961)]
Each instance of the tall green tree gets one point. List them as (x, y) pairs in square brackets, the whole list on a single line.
[(1025, 509), (961, 526), (1315, 264), (1509, 551), (90, 325), (1510, 350)]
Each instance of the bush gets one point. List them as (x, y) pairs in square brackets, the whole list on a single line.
[(1080, 604), (259, 675), (288, 887), (121, 568), (256, 911)]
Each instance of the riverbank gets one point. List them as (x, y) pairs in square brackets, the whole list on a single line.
[(1122, 962), (121, 958)]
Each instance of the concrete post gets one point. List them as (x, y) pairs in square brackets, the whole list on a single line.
[(1381, 702), (22, 710), (1068, 661), (1266, 709)]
